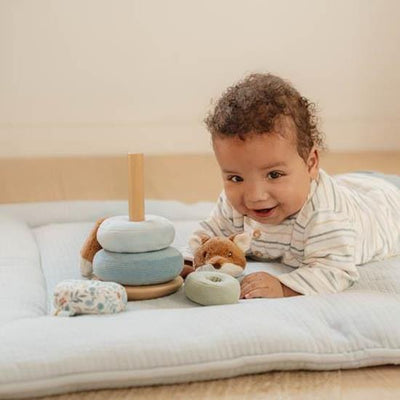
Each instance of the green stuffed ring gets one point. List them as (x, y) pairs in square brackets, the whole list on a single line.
[(212, 288)]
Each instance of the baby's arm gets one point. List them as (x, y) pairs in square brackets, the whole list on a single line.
[(329, 254), (328, 263), (223, 220)]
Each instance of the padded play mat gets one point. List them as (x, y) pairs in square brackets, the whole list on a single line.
[(170, 339)]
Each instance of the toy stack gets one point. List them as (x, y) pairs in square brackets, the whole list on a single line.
[(136, 249)]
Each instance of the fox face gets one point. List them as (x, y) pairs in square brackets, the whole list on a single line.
[(220, 253)]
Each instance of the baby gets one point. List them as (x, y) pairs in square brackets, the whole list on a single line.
[(266, 142)]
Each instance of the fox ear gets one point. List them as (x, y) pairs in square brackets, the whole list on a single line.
[(242, 240), (89, 249), (198, 240)]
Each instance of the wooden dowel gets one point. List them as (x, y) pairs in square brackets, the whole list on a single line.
[(136, 187)]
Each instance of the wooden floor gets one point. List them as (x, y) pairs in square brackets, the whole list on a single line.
[(376, 383)]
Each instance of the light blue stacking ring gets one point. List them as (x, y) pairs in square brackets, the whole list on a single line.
[(138, 268), (212, 288), (120, 235)]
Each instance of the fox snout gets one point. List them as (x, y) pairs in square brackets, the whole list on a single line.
[(217, 262)]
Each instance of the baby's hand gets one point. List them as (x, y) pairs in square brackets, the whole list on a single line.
[(260, 284)]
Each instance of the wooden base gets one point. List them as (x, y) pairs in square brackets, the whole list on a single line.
[(153, 291)]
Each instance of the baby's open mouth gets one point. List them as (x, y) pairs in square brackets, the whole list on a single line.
[(264, 211)]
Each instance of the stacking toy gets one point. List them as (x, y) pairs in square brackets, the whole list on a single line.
[(136, 250), (153, 291), (138, 268), (119, 234), (212, 288)]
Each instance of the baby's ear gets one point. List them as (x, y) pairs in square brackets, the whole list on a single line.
[(198, 240), (242, 240)]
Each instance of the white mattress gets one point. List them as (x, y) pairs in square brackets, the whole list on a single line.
[(170, 339)]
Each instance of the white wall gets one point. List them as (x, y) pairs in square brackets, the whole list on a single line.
[(108, 77)]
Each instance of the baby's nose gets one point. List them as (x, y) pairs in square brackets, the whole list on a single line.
[(256, 192)]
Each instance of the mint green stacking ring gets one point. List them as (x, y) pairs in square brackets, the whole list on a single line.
[(138, 268), (212, 288)]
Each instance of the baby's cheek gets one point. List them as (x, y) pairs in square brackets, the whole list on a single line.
[(234, 197)]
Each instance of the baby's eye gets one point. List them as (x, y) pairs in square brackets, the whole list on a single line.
[(229, 254), (205, 254), (274, 175), (235, 178)]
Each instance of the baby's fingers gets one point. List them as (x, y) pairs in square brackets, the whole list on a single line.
[(260, 292), (248, 286), (252, 282)]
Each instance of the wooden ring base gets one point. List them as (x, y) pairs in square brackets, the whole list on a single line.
[(147, 292)]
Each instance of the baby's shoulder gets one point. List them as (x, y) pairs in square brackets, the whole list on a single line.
[(323, 197), (324, 205), (311, 218)]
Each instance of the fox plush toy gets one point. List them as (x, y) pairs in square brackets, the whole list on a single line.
[(221, 254)]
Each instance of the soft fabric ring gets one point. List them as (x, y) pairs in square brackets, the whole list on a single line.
[(212, 288), (73, 297), (120, 235), (139, 268)]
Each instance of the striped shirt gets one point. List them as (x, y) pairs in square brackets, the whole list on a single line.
[(347, 220)]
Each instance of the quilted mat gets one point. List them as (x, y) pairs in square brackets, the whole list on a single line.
[(170, 339)]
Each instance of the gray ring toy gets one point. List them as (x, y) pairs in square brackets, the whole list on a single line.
[(211, 288)]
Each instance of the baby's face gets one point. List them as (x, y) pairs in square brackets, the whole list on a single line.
[(264, 176)]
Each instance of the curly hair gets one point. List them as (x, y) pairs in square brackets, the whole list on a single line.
[(257, 104)]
